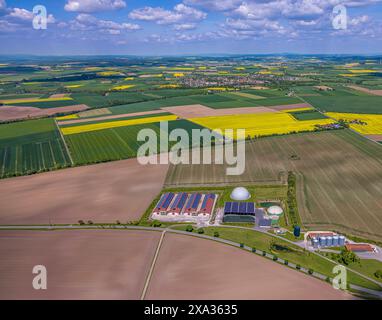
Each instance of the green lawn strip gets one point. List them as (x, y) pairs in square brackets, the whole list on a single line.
[(308, 115), (368, 267)]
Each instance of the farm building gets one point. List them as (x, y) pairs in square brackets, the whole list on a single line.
[(208, 204), (178, 204), (184, 205), (192, 204), (164, 204), (360, 247)]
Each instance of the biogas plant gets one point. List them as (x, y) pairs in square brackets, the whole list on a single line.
[(197, 207)]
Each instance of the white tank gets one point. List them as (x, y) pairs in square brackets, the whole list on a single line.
[(275, 211), (329, 241), (240, 194)]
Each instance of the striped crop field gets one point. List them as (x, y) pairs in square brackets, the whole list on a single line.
[(362, 123), (114, 124), (114, 143), (247, 95), (31, 146), (262, 124)]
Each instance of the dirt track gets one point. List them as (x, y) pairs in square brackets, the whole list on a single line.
[(191, 268), (80, 264), (375, 137), (107, 192)]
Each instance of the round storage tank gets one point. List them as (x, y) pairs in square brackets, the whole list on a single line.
[(335, 241), (240, 194), (315, 243), (341, 241), (329, 241), (323, 241), (275, 211)]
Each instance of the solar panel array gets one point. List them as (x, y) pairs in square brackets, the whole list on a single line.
[(165, 201), (179, 201), (240, 208), (193, 202), (206, 198)]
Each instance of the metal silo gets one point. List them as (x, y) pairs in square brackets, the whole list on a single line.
[(329, 241), (335, 241), (323, 241), (341, 241), (315, 243)]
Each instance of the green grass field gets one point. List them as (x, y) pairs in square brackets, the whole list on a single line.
[(31, 146), (308, 115), (350, 104)]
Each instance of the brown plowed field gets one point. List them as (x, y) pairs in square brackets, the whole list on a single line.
[(199, 111), (192, 268), (16, 113), (101, 193), (91, 264)]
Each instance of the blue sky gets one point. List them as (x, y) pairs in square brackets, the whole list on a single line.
[(161, 27)]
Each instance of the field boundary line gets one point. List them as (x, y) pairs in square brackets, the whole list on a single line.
[(153, 265), (63, 140)]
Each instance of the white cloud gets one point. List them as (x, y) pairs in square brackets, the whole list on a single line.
[(184, 26), (87, 22), (26, 15), (88, 6), (3, 5), (180, 14)]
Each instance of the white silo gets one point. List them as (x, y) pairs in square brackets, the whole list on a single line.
[(329, 241), (341, 241), (335, 241)]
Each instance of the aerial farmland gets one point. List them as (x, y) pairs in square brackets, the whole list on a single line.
[(70, 149)]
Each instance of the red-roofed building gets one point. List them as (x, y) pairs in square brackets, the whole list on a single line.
[(360, 247)]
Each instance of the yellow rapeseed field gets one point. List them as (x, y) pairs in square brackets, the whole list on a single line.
[(30, 100), (74, 86), (349, 75), (109, 73), (169, 86), (297, 110), (123, 87), (114, 124), (362, 71), (261, 124), (373, 122), (69, 117)]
